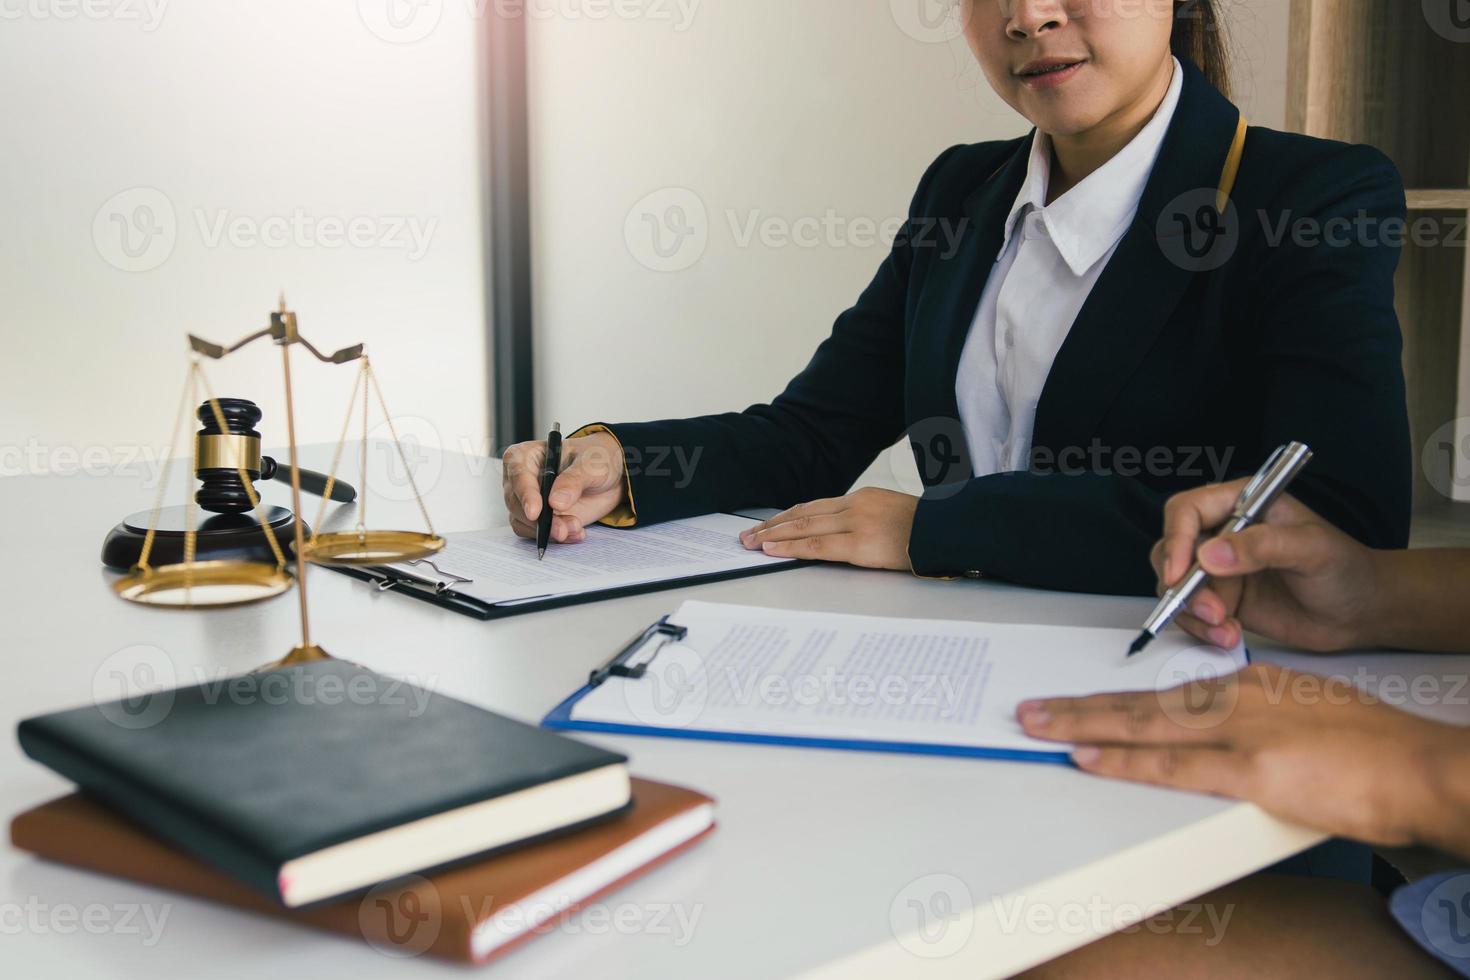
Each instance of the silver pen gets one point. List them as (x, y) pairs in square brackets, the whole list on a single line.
[(1254, 501)]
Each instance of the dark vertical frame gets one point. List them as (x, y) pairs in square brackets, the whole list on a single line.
[(507, 224)]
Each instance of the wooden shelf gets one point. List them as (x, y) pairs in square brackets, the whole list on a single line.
[(1439, 200), (1364, 72)]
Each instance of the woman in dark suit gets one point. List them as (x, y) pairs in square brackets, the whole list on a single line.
[(1146, 294)]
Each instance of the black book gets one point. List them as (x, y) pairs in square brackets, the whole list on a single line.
[(319, 780)]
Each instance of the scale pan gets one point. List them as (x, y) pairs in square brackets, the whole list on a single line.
[(202, 584), (371, 547)]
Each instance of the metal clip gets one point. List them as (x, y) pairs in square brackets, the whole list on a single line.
[(618, 665)]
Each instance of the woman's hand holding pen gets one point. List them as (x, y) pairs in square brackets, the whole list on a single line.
[(869, 527), (1294, 577), (589, 487)]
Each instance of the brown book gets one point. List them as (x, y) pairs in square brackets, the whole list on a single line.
[(473, 912)]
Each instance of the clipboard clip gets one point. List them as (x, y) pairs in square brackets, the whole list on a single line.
[(618, 665), (453, 579)]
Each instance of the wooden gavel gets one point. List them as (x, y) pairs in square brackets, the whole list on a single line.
[(218, 456)]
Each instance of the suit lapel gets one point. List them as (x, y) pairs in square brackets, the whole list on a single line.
[(953, 287), (1142, 285)]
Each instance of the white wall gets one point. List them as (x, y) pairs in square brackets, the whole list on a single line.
[(814, 115), (308, 112), (749, 110)]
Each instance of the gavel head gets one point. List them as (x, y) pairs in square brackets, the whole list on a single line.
[(219, 454)]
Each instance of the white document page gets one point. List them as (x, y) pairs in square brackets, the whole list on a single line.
[(831, 676), (504, 568)]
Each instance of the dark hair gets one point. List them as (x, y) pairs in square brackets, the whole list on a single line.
[(1199, 36)]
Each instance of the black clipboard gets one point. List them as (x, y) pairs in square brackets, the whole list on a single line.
[(444, 596)]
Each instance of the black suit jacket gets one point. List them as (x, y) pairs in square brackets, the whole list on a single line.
[(1204, 345)]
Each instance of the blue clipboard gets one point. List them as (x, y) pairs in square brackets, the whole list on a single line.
[(560, 718)]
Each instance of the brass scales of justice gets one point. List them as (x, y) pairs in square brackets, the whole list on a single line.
[(192, 583)]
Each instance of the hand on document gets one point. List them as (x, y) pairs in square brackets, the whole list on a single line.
[(1312, 750), (869, 528)]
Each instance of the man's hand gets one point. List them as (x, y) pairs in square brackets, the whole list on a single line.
[(1294, 577), (870, 528), (589, 487), (1308, 750)]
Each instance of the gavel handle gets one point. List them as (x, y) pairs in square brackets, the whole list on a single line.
[(311, 481)]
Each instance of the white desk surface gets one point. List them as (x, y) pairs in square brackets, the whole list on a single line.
[(823, 861)]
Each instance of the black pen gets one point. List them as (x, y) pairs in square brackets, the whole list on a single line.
[(550, 466)]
